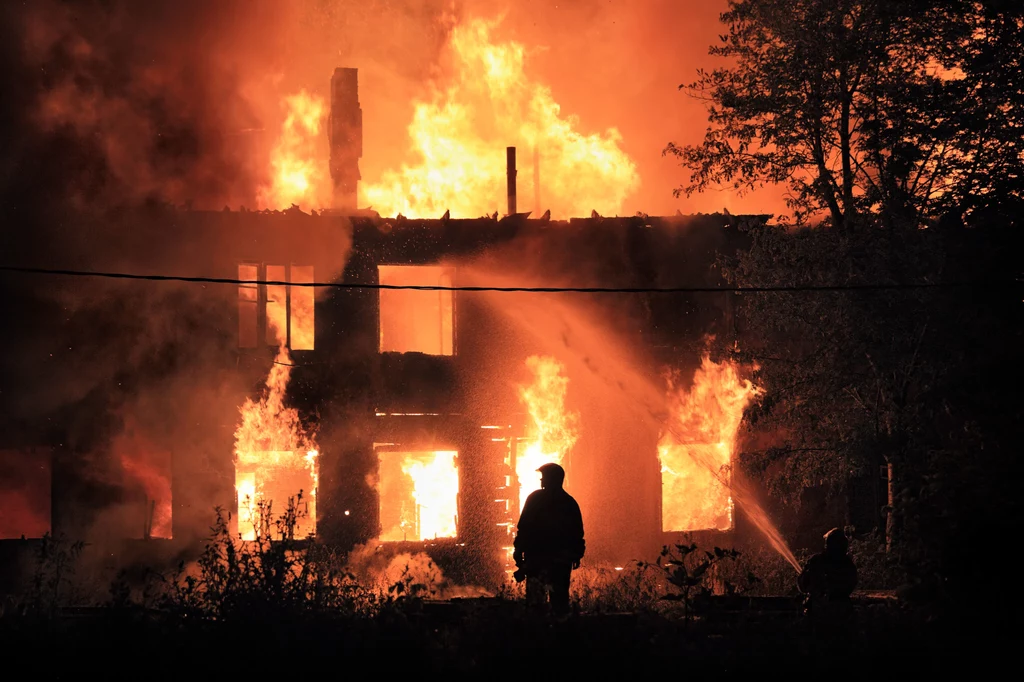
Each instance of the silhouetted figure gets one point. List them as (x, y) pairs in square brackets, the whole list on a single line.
[(549, 541), (830, 576)]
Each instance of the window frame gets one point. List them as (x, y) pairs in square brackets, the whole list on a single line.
[(397, 449), (263, 329), (453, 275)]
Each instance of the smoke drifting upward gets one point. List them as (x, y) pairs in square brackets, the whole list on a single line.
[(111, 109), (601, 355), (109, 103), (113, 103), (123, 102)]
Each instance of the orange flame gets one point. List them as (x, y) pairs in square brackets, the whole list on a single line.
[(554, 431), (696, 448), (298, 168), (421, 503), (461, 134), (275, 458)]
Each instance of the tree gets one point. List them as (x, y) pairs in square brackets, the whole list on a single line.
[(899, 115), (860, 106), (987, 169), (913, 380), (846, 373)]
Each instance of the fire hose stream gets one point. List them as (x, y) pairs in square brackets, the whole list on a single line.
[(592, 347)]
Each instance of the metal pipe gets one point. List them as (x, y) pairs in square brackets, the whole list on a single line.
[(536, 180), (511, 167)]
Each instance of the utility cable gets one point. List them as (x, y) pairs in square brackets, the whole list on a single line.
[(561, 289)]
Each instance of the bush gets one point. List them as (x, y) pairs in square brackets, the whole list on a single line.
[(266, 578), (608, 589)]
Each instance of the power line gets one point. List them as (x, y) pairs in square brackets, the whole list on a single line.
[(563, 289)]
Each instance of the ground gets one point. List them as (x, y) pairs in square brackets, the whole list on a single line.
[(498, 638)]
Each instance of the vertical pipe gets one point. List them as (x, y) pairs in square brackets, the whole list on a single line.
[(511, 167), (536, 181), (261, 306), (513, 445), (890, 519), (288, 306)]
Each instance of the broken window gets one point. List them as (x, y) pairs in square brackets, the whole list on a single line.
[(146, 483), (25, 477), (694, 487), (267, 483), (148, 478), (248, 306), (300, 317), (419, 495), (413, 320), (277, 306), (288, 311)]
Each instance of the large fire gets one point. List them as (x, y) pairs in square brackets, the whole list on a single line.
[(459, 138), (419, 494), (554, 430), (298, 169), (697, 447), (275, 459)]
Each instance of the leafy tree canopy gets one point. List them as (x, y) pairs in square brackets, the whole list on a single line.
[(907, 111)]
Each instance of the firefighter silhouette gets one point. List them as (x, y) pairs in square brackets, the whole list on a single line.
[(829, 576), (549, 541)]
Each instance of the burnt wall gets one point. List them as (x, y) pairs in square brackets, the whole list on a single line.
[(614, 465), (170, 362)]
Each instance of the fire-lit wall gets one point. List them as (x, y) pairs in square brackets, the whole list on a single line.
[(358, 399)]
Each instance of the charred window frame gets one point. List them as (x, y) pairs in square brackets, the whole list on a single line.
[(389, 518), (269, 307), (402, 313)]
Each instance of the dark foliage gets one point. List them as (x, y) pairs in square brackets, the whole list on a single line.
[(904, 110), (896, 126), (911, 382)]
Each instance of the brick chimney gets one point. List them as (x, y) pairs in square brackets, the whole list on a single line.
[(345, 135)]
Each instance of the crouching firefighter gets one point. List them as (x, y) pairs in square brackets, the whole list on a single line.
[(549, 541)]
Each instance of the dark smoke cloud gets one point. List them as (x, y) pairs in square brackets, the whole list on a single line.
[(110, 106), (120, 102)]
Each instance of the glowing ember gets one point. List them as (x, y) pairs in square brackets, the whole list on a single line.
[(275, 458), (298, 165), (697, 447), (419, 494), (460, 138), (554, 431)]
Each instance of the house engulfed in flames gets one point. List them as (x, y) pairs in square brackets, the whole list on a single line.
[(418, 417)]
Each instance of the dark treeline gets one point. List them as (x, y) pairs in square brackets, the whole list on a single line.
[(898, 130)]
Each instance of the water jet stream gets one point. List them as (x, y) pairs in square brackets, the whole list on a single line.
[(590, 346)]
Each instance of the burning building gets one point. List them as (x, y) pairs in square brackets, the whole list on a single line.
[(381, 377)]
